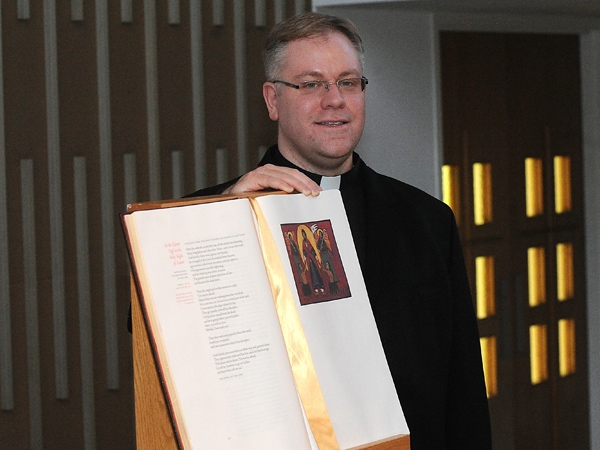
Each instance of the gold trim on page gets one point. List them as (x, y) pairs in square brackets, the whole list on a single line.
[(303, 368)]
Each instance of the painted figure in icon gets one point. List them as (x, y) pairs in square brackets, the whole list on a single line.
[(298, 263), (312, 260), (324, 247)]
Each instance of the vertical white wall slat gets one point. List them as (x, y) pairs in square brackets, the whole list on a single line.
[(77, 10), (55, 201), (260, 13), (23, 10), (34, 390), (126, 11), (198, 94), (174, 16), (262, 149), (152, 98), (299, 6), (279, 10), (239, 36), (222, 165), (6, 368), (130, 181), (106, 196), (177, 173), (86, 354), (218, 10)]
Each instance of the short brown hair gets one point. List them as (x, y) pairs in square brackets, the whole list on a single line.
[(305, 26)]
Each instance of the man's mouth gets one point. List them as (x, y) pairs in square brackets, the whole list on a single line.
[(332, 123)]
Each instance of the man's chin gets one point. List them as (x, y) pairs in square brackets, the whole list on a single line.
[(335, 162)]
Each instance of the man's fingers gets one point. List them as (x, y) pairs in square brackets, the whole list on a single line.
[(274, 177)]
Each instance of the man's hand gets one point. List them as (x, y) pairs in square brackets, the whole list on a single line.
[(275, 177)]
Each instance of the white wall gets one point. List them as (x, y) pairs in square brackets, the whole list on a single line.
[(590, 57), (403, 131)]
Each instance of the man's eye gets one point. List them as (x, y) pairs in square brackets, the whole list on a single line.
[(349, 83), (310, 84)]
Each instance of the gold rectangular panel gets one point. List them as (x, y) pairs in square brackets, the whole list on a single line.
[(482, 193), (562, 184), (536, 274), (485, 286), (534, 187), (566, 346), (538, 353), (490, 364), (565, 289), (451, 189)]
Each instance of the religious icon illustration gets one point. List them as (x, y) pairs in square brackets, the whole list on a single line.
[(316, 263)]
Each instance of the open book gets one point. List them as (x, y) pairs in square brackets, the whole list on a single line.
[(261, 325)]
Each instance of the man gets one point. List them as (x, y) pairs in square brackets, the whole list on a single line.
[(407, 241)]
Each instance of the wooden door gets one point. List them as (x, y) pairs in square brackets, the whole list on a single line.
[(513, 175)]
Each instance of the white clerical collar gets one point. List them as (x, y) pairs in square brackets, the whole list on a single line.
[(331, 182)]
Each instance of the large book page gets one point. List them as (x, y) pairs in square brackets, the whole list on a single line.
[(216, 332), (316, 247)]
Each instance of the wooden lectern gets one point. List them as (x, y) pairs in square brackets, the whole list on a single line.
[(154, 427)]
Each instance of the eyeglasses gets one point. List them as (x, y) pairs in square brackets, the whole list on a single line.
[(345, 85)]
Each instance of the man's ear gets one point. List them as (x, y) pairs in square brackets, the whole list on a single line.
[(270, 96)]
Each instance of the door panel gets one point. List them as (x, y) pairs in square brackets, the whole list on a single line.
[(512, 154)]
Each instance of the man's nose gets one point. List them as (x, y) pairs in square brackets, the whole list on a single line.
[(333, 95)]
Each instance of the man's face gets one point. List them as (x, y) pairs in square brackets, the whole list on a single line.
[(318, 131)]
